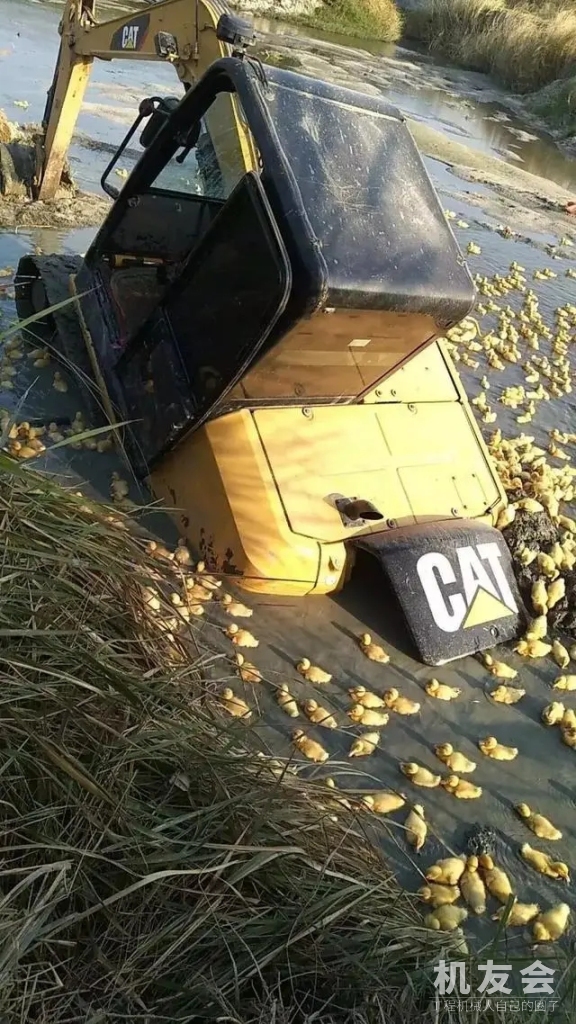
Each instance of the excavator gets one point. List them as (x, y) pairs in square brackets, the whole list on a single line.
[(261, 317)]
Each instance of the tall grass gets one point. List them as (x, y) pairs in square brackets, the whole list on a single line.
[(375, 19), (153, 868), (525, 45)]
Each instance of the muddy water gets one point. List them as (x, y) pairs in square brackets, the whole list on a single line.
[(466, 108)]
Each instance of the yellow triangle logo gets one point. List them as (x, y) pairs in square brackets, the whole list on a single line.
[(485, 608)]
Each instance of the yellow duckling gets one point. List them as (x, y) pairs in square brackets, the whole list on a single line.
[(235, 608), (240, 637), (567, 683), (472, 887), (384, 802), (368, 716), (153, 548), (537, 628), (495, 879), (439, 895), (556, 591), (416, 828), (234, 705), (401, 705), (553, 713), (181, 553), (364, 745), (196, 591), (211, 582), (568, 734), (119, 488), (506, 517), (532, 648), (551, 925), (453, 759), (491, 748), (418, 775), (446, 918), (312, 673), (539, 596), (340, 799), (538, 824), (360, 695), (544, 863), (499, 669), (319, 715), (287, 702), (310, 748), (247, 671), (461, 788), (59, 384), (507, 695), (521, 913), (569, 719), (447, 871), (373, 651), (441, 691)]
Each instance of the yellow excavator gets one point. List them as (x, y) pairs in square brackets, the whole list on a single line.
[(263, 306)]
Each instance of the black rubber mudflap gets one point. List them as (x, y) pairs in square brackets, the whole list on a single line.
[(60, 329), (455, 585)]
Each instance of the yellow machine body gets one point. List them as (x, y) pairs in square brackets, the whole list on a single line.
[(250, 490)]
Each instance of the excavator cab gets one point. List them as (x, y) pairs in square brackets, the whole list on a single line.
[(262, 307)]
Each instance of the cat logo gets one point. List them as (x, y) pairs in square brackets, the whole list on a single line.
[(130, 37), (472, 595)]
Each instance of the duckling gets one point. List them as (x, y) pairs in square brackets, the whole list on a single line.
[(521, 913), (537, 628), (364, 745), (384, 802), (360, 695), (210, 582), (181, 553), (491, 748), (247, 671), (287, 701), (499, 669), (373, 651), (556, 591), (196, 591), (495, 879), (446, 918), (551, 925), (368, 716), (472, 887), (401, 705), (310, 748), (119, 488), (59, 384), (439, 895), (418, 775), (567, 683), (568, 734), (235, 608), (441, 691), (461, 788), (553, 713), (532, 648), (453, 759), (340, 799), (447, 871), (153, 547), (234, 705), (311, 672), (538, 824), (472, 249), (506, 517), (539, 596), (507, 695), (569, 719), (416, 828), (240, 637), (544, 863), (319, 715)]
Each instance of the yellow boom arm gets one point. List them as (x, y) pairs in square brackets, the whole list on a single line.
[(180, 32)]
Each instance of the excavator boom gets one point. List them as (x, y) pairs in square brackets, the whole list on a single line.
[(178, 32)]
